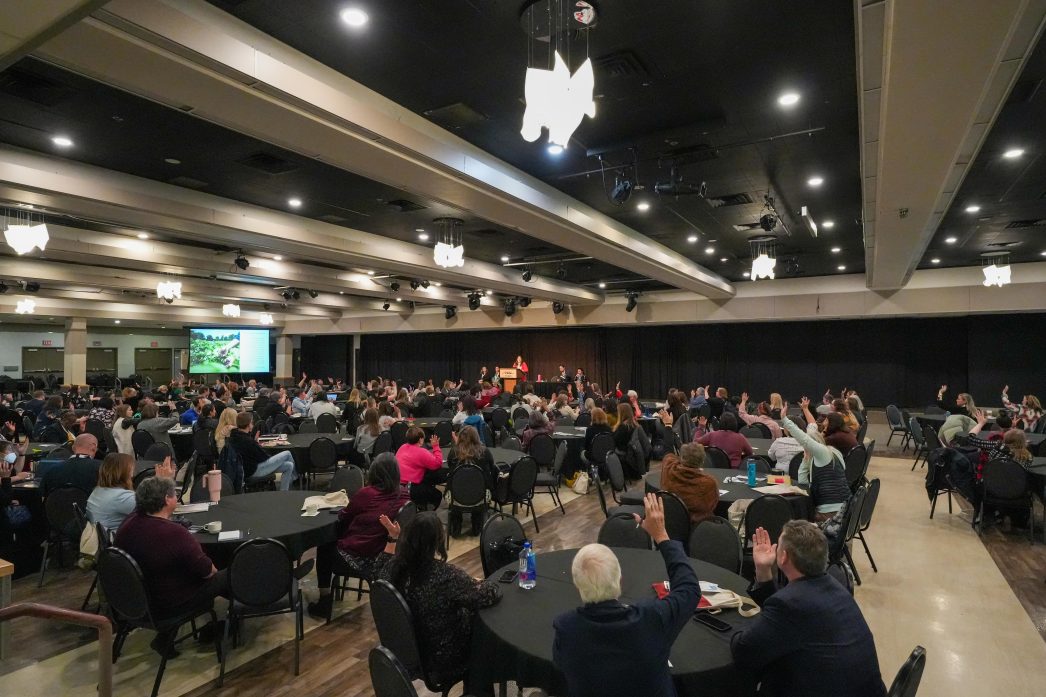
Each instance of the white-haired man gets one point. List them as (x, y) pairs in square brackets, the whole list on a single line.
[(606, 648)]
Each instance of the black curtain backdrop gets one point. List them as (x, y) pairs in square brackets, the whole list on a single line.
[(899, 361)]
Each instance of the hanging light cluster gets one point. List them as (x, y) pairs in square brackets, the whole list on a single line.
[(764, 259), (450, 248), (996, 268)]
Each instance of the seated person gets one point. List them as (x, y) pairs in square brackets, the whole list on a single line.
[(14, 517), (537, 424), (834, 430), (190, 415), (301, 403), (683, 476), (323, 406), (467, 448), (823, 468), (155, 425), (388, 414), (443, 599), (782, 451), (810, 637), (80, 470), (367, 432), (421, 468), (607, 648), (257, 463), (728, 440), (564, 409), (113, 499), (361, 538), (178, 574), (761, 416), (208, 419), (599, 425)]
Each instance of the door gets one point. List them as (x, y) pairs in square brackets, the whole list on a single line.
[(154, 364), (101, 361), (41, 362)]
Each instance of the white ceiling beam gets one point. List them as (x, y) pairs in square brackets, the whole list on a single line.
[(27, 24)]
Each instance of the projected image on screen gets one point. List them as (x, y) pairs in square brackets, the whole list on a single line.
[(214, 350)]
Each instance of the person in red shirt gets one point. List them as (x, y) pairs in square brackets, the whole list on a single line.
[(728, 440), (422, 468), (521, 366)]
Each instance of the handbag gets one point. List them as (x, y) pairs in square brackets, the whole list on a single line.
[(725, 599), (88, 547), (581, 484)]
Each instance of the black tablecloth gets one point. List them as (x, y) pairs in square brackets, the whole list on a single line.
[(298, 444), (275, 514), (506, 456), (182, 443), (513, 639), (428, 423), (801, 505)]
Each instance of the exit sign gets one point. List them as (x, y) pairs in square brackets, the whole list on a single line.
[(154, 344), (47, 342), (96, 343)]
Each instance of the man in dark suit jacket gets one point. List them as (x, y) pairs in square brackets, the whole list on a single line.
[(609, 649), (810, 640), (80, 470)]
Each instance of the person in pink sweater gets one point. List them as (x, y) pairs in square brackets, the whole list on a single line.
[(422, 468)]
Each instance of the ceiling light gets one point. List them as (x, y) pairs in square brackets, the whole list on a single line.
[(423, 236), (172, 160), (644, 206), (294, 202), (437, 284), (425, 285), (490, 292), (709, 250), (278, 258), (116, 321), (447, 255), (354, 17), (841, 267), (523, 302), (474, 300), (633, 300), (935, 260), (415, 284), (370, 273), (62, 141), (745, 274), (265, 318), (510, 307), (828, 224), (386, 306), (836, 250), (996, 275), (602, 285), (314, 294), (419, 229), (1013, 153), (815, 181), (296, 294), (143, 236), (241, 262), (557, 307), (23, 238), (973, 209), (557, 101), (394, 286), (692, 239), (1042, 253), (951, 240), (450, 311), (788, 99), (555, 150), (26, 307), (287, 294), (399, 300), (763, 266), (528, 275), (505, 259), (169, 291)]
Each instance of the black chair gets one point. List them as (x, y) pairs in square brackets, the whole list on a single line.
[(124, 588), (895, 421), (543, 450), (584, 420), (140, 441), (388, 677), (1006, 485), (203, 445), (677, 517), (602, 445), (512, 443), (284, 428), (398, 433), (467, 489), (97, 429), (263, 582), (552, 479), (103, 544), (406, 513), (716, 458), (496, 530), (445, 433), (520, 417), (839, 573), (938, 482), (395, 624), (862, 431), (323, 459), (498, 423), (64, 523), (350, 478), (521, 482), (906, 684), (851, 521), (620, 530), (715, 541), (142, 476), (751, 432), (856, 464), (280, 418), (906, 419), (382, 444), (616, 474), (793, 467), (158, 451), (326, 423), (767, 512), (865, 522), (931, 438), (308, 427), (915, 431), (763, 464), (199, 494)]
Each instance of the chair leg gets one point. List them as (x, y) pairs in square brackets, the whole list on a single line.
[(853, 567), (297, 636), (223, 648), (949, 502), (889, 439), (533, 515), (933, 505), (43, 563), (163, 666), (90, 592), (860, 536)]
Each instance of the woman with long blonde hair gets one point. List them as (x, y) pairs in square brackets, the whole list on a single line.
[(226, 425)]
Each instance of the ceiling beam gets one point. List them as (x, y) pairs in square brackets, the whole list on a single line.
[(189, 55), (26, 25), (933, 76)]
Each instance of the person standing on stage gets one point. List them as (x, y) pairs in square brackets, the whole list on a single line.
[(562, 377), (521, 366), (579, 376), (483, 376)]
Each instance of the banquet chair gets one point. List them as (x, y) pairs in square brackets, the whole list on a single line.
[(382, 444), (752, 432), (677, 517), (308, 427), (395, 624), (931, 438), (763, 464), (906, 683), (350, 478), (97, 429), (630, 502), (862, 431), (856, 464), (398, 433), (520, 416), (620, 530), (496, 530), (715, 541), (916, 433), (445, 433), (284, 428), (63, 523), (551, 480), (103, 544), (499, 423), (793, 467), (326, 423), (121, 580), (895, 421), (543, 450), (323, 459), (158, 451), (521, 482), (513, 443), (716, 458), (767, 512), (263, 581), (203, 445), (280, 418), (199, 492), (851, 522), (839, 572), (865, 521), (602, 445), (467, 492), (1006, 485), (140, 441), (583, 420), (388, 677)]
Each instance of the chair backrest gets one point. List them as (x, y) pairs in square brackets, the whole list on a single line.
[(395, 624), (793, 466), (583, 420), (407, 513), (615, 472), (620, 530), (495, 530), (498, 418), (326, 423), (856, 462), (565, 420), (140, 477), (388, 676), (157, 451), (398, 433), (520, 415), (894, 417), (602, 445), (522, 478), (561, 458), (763, 465), (308, 427), (121, 580), (717, 458), (862, 431), (261, 572), (349, 478), (281, 418), (467, 486), (228, 487), (870, 497), (542, 449), (60, 508), (103, 537), (677, 517), (930, 436), (906, 684), (853, 512), (715, 541), (283, 428), (445, 433), (512, 443), (323, 455), (869, 449), (837, 571), (140, 441), (382, 444), (1005, 479), (96, 428), (203, 443), (767, 512), (751, 432)]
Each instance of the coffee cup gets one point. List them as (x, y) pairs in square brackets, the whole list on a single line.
[(312, 508), (214, 527)]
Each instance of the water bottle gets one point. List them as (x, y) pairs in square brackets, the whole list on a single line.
[(751, 472), (528, 568)]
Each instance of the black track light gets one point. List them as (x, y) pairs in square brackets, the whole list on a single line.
[(386, 307), (241, 262), (474, 299), (557, 307), (287, 294), (510, 307), (394, 286), (314, 294), (32, 286), (425, 285), (3, 288), (296, 295), (411, 305), (561, 272), (414, 285), (633, 300), (528, 275), (523, 302), (450, 311)]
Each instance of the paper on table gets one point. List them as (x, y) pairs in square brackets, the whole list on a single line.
[(229, 535), (709, 587), (311, 514), (723, 491), (193, 508), (779, 489)]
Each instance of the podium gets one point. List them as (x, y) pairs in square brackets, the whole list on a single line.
[(508, 379)]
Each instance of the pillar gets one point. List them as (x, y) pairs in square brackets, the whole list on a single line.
[(75, 351), (284, 360)]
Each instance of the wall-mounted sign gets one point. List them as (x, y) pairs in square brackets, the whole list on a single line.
[(154, 344), (47, 342), (96, 343)]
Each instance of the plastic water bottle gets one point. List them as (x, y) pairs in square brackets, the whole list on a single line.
[(528, 568), (751, 472)]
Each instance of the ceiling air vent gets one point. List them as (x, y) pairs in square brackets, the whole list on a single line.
[(1003, 244), (1017, 224), (746, 227), (25, 85), (618, 65), (268, 163), (729, 200), (403, 206), (335, 219), (188, 182), (455, 116)]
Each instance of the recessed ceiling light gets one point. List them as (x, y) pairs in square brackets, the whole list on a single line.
[(116, 321), (828, 224), (815, 181), (163, 327), (143, 236), (973, 209), (294, 202), (354, 17), (935, 260), (836, 250), (644, 206), (1013, 153), (423, 236), (841, 267), (341, 292), (951, 240), (172, 160), (788, 99), (745, 274), (490, 292), (709, 250), (722, 258), (278, 258), (555, 149), (62, 141), (602, 285), (692, 239), (1042, 253), (505, 259), (370, 273)]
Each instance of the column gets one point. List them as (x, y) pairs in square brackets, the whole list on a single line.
[(75, 351), (353, 368), (284, 360)]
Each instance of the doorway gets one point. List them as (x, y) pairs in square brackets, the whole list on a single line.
[(153, 364)]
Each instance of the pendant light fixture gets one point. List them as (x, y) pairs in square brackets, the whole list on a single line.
[(996, 268), (450, 248)]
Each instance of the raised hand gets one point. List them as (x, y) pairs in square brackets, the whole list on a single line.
[(804, 402), (654, 520), (744, 397), (764, 554), (391, 526), (166, 468)]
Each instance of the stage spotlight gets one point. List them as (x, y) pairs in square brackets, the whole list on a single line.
[(296, 295), (394, 286), (450, 311), (524, 302), (287, 294), (414, 285), (386, 307), (474, 299), (241, 262), (31, 286), (411, 304), (557, 307), (561, 272), (3, 288), (425, 285), (314, 294), (633, 300), (528, 275), (510, 307)]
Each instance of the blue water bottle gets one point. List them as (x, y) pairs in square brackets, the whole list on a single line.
[(751, 472), (528, 568)]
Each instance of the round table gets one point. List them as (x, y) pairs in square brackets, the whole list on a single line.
[(513, 639), (574, 437), (298, 444), (428, 423), (801, 506), (275, 514)]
